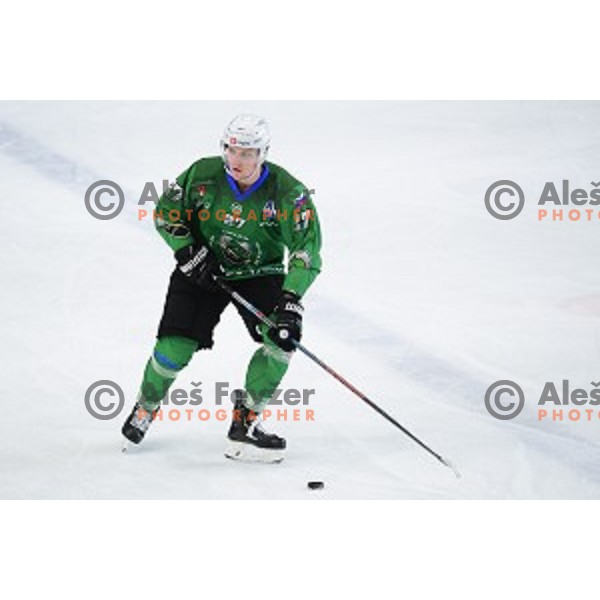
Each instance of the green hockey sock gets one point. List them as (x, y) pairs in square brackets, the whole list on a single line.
[(170, 355), (265, 372)]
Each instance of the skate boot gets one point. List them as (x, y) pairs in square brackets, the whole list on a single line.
[(247, 438), (137, 423)]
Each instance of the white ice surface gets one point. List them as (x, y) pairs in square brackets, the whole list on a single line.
[(424, 301)]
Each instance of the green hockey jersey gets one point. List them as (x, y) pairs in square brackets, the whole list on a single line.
[(249, 232)]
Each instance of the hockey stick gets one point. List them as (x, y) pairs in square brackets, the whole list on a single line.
[(264, 319)]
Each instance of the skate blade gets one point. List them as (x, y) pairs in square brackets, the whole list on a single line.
[(249, 453)]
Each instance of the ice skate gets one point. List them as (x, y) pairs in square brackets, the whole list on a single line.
[(248, 440), (137, 424)]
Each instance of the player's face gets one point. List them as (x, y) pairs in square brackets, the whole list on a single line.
[(242, 162)]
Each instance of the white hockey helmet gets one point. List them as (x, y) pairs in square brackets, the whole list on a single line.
[(247, 131)]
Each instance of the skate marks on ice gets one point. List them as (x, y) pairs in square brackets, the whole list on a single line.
[(56, 167)]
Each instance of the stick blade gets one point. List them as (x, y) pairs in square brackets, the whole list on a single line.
[(453, 468)]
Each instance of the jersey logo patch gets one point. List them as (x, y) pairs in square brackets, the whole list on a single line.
[(300, 201), (269, 212)]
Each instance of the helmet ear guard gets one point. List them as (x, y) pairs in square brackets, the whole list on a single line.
[(264, 154)]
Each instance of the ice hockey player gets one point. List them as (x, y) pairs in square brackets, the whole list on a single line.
[(233, 217)]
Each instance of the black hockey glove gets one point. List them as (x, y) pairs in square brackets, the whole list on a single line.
[(288, 322), (199, 265)]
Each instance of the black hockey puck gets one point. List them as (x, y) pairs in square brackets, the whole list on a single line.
[(316, 485)]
